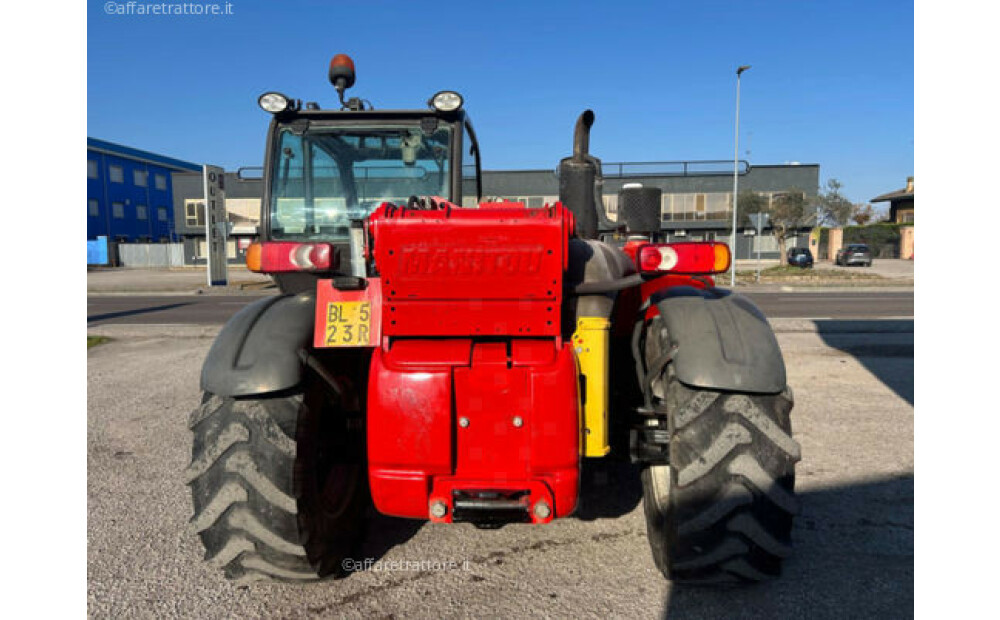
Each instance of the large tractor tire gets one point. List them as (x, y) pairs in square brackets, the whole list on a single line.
[(278, 483), (722, 510)]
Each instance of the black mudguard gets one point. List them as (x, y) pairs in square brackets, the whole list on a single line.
[(257, 351), (720, 340)]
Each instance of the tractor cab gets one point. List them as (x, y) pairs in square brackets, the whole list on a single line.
[(325, 169)]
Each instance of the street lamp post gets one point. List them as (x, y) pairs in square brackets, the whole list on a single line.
[(736, 173)]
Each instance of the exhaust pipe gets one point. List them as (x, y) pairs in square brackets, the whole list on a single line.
[(577, 177), (581, 136)]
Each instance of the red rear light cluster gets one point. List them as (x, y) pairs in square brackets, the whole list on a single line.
[(692, 257), (281, 256)]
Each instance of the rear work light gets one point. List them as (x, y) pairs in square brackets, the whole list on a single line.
[(689, 257), (283, 256)]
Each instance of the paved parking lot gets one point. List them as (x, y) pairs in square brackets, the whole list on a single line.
[(854, 539), (885, 267)]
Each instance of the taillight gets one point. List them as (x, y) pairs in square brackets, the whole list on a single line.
[(281, 256), (691, 257), (253, 257), (657, 258)]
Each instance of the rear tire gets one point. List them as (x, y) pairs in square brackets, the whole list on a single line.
[(278, 484), (722, 510)]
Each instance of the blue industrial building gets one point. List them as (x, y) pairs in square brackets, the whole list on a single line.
[(130, 193)]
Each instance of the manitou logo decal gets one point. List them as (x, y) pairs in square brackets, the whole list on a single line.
[(506, 261)]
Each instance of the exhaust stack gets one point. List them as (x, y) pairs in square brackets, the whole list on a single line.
[(581, 185), (581, 136), (578, 176)]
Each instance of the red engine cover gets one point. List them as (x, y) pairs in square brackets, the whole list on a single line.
[(468, 272), (449, 416)]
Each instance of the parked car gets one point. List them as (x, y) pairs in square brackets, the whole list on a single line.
[(854, 254), (800, 257)]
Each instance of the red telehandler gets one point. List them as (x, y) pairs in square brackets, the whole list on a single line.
[(454, 359)]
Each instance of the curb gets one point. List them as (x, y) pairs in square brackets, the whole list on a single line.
[(260, 292), (842, 326), (182, 292), (826, 288), (780, 326), (163, 330)]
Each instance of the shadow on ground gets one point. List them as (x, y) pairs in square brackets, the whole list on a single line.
[(889, 357), (853, 558), (608, 490), (385, 532), (114, 315)]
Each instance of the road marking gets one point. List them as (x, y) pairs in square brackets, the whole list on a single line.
[(843, 318)]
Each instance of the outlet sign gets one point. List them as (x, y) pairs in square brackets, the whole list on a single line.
[(216, 229)]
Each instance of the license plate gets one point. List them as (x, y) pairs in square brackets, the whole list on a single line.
[(348, 318), (348, 324)]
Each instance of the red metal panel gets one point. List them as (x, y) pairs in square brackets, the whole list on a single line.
[(434, 428), (409, 431), (462, 272), (490, 396), (471, 317), (524, 352), (417, 353)]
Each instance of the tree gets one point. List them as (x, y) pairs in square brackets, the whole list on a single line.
[(789, 211), (749, 203), (863, 214), (834, 208)]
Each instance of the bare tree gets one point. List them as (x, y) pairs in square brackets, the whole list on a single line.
[(834, 207), (788, 212)]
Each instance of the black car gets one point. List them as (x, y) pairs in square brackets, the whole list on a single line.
[(854, 254), (800, 257)]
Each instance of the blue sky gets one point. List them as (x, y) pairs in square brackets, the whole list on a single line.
[(831, 83)]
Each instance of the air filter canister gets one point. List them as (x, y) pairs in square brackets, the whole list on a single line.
[(639, 207)]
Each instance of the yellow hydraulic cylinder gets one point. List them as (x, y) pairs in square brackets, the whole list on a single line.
[(590, 342)]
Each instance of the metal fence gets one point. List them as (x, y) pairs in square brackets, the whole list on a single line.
[(151, 254)]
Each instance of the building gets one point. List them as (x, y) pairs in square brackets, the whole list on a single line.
[(242, 212), (130, 193), (900, 203), (901, 212), (696, 204), (697, 196)]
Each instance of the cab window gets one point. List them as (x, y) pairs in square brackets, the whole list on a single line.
[(327, 177), (471, 189)]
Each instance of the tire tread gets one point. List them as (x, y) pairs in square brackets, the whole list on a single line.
[(234, 497), (731, 498)]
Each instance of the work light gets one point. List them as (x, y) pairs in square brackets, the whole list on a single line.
[(446, 101), (273, 102)]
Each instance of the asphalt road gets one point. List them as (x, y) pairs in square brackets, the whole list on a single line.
[(211, 309), (853, 541)]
